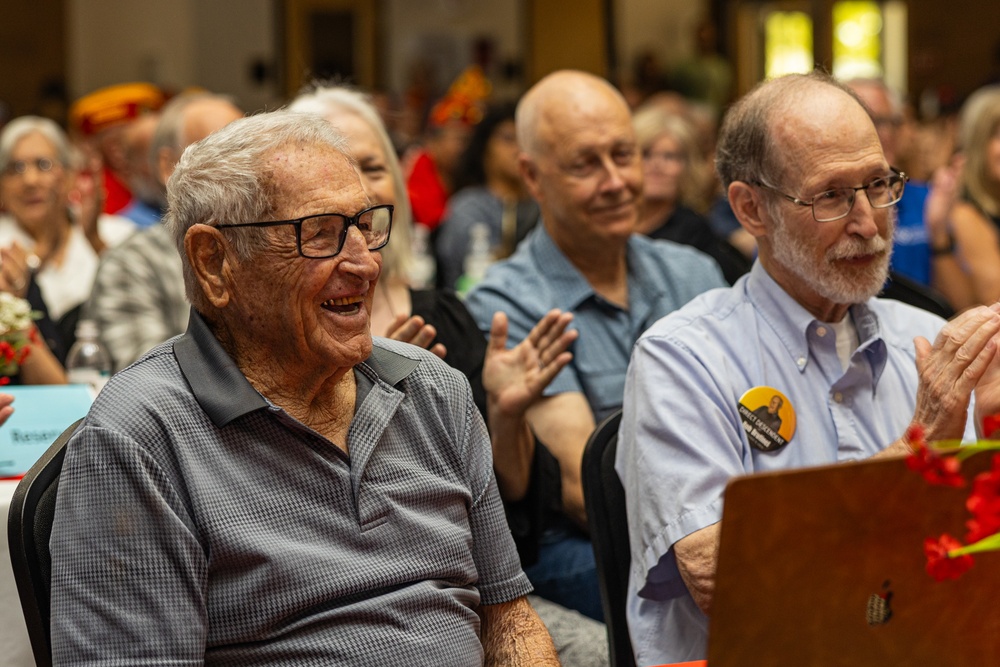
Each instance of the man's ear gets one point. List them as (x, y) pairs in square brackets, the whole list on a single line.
[(165, 162), (206, 251), (748, 207), (529, 174)]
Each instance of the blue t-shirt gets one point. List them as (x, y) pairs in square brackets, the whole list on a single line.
[(911, 250)]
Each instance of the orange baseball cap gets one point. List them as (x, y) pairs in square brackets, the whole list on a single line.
[(114, 105)]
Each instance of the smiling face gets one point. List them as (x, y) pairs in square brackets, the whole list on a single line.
[(586, 173), (367, 150), (829, 142), (36, 197), (309, 316)]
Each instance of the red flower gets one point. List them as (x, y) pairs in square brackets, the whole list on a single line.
[(6, 351), (4, 380), (942, 470), (22, 354), (940, 565), (915, 436), (991, 427), (984, 503)]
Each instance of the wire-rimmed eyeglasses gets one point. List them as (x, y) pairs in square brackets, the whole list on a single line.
[(323, 235), (20, 167), (837, 203)]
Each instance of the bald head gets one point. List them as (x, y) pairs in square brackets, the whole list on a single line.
[(186, 119), (580, 162), (564, 92), (746, 148), (205, 115)]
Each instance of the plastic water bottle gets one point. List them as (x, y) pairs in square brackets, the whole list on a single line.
[(88, 362), (424, 267), (477, 260)]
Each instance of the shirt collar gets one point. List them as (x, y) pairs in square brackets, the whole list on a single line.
[(559, 272), (217, 383), (574, 288), (225, 394), (790, 321)]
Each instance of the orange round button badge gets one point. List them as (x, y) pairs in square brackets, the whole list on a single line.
[(768, 418)]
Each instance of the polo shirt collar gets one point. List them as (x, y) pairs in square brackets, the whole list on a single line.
[(217, 383), (567, 281), (225, 394), (791, 322)]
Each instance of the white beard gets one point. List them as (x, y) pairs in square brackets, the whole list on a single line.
[(841, 285)]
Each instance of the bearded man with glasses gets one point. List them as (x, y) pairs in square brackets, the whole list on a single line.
[(275, 487), (806, 176)]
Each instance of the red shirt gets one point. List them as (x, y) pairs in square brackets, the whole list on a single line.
[(427, 192)]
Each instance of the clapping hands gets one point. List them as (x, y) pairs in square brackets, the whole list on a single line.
[(413, 330), (514, 379)]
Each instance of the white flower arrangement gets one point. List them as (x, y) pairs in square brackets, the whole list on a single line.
[(17, 331)]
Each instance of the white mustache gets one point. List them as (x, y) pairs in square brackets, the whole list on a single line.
[(850, 248)]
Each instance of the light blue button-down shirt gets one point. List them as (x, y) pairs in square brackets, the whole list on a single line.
[(682, 439), (662, 277)]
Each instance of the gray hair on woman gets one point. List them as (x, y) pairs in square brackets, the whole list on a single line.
[(222, 179), (21, 127), (334, 100), (651, 122)]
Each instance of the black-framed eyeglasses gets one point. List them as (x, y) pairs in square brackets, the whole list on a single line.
[(837, 203), (323, 235), (20, 167)]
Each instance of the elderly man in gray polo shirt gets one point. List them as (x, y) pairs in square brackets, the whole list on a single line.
[(273, 487)]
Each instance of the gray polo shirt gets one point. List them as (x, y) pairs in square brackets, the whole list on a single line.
[(199, 523)]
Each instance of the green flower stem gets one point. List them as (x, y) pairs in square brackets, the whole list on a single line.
[(965, 451), (991, 543)]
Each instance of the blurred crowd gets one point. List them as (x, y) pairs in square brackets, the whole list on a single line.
[(81, 205), (69, 193)]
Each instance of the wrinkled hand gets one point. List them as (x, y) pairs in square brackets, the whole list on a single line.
[(988, 392), (963, 355), (941, 199), (15, 270), (413, 330), (514, 379)]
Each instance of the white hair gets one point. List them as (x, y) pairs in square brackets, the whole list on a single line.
[(221, 179)]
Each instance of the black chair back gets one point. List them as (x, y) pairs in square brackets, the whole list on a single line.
[(604, 498), (907, 290), (29, 526)]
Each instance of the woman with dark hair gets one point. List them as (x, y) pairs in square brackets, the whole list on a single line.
[(490, 201)]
